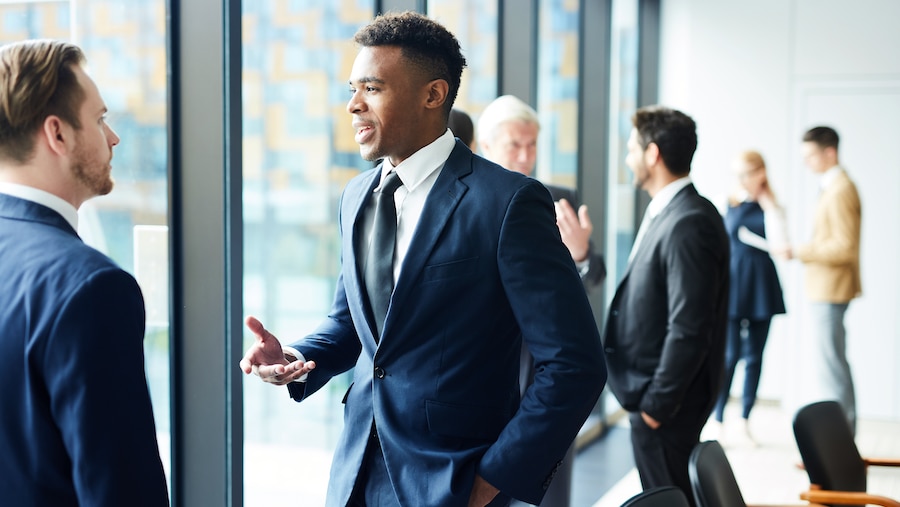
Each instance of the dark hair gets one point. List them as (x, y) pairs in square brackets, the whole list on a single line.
[(824, 137), (425, 43), (461, 125), (37, 80), (674, 132)]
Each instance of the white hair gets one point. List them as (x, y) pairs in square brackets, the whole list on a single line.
[(501, 110)]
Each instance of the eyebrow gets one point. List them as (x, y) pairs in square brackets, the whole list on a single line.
[(364, 80)]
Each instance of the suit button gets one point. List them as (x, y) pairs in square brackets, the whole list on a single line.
[(614, 313), (610, 350), (379, 372)]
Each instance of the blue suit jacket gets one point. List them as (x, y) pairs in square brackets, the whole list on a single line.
[(76, 425), (486, 270)]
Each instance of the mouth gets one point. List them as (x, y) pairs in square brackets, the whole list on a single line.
[(364, 132)]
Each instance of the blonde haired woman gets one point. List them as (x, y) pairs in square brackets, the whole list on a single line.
[(755, 224)]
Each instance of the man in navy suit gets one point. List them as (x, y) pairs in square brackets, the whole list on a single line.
[(508, 135), (76, 425), (434, 415), (665, 335)]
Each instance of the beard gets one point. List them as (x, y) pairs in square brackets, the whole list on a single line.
[(91, 172)]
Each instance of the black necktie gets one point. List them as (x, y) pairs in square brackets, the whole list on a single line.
[(379, 269)]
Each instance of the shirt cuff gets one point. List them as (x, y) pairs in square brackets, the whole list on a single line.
[(291, 351), (583, 266)]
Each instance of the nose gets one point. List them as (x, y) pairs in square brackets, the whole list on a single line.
[(112, 137), (355, 104)]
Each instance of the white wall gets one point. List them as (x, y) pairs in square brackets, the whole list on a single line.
[(757, 74)]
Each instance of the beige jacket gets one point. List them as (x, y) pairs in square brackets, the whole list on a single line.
[(832, 256)]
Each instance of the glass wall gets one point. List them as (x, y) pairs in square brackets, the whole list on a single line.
[(125, 45), (557, 101), (621, 197), (474, 23), (298, 154)]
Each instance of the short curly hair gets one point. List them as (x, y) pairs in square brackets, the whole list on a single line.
[(425, 43)]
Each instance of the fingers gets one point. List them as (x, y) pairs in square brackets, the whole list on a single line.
[(283, 374), (584, 219), (256, 327)]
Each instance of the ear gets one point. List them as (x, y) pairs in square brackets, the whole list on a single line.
[(438, 89), (56, 133), (651, 155)]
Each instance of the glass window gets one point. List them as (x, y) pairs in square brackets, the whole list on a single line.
[(474, 23), (298, 154), (557, 103), (125, 45), (621, 200)]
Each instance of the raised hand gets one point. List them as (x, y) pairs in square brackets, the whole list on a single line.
[(575, 229)]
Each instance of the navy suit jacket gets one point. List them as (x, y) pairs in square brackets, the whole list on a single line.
[(486, 270), (665, 335), (76, 425)]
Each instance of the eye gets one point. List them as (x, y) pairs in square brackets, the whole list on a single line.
[(371, 89)]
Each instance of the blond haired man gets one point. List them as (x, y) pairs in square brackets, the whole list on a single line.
[(76, 424)]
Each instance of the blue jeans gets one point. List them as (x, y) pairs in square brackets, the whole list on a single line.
[(745, 339), (829, 361)]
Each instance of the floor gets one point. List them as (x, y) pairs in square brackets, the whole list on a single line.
[(604, 474)]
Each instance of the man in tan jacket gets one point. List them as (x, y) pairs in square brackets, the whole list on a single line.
[(832, 264)]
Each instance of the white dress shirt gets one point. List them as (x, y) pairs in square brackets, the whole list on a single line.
[(418, 174), (657, 204)]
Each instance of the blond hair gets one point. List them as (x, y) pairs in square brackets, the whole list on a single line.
[(37, 80)]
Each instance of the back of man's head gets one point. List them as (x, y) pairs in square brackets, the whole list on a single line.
[(425, 43), (824, 137), (501, 110), (674, 132), (36, 81)]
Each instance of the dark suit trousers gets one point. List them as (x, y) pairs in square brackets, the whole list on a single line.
[(662, 455)]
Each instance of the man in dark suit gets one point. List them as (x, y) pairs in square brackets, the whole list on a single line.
[(76, 424), (434, 416), (665, 335), (508, 131)]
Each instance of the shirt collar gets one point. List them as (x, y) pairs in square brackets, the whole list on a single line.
[(422, 163), (41, 197), (665, 196), (829, 176)]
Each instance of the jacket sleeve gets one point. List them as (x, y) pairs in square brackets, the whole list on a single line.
[(843, 218), (94, 372), (558, 327), (695, 272)]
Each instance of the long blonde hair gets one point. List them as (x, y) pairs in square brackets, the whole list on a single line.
[(753, 159)]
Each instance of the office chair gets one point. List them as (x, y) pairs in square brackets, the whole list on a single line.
[(712, 478), (837, 473), (665, 496)]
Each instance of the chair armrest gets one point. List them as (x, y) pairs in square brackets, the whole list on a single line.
[(881, 462), (846, 498)]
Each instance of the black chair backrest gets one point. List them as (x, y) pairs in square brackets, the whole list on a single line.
[(712, 478), (827, 448), (665, 496)]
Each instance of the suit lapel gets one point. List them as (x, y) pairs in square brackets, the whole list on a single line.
[(353, 277), (442, 201)]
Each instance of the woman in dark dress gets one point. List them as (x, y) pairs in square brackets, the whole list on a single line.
[(756, 229)]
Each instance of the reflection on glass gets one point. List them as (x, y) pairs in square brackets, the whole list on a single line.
[(557, 103), (125, 45), (299, 153), (474, 23)]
